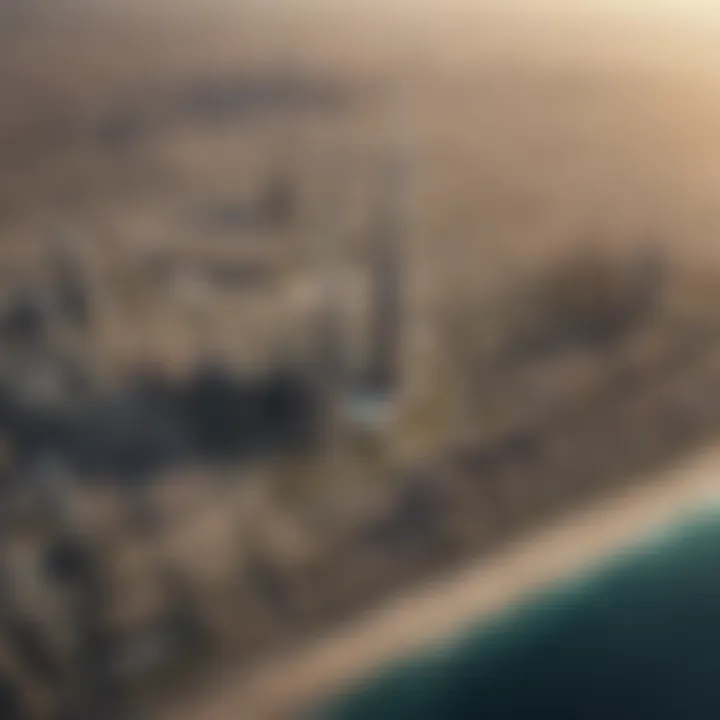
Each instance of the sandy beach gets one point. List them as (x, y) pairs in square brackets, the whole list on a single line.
[(282, 687)]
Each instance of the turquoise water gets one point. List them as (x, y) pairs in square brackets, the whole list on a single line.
[(636, 637)]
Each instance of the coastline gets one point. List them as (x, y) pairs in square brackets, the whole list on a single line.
[(293, 683)]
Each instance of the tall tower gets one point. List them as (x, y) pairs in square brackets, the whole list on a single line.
[(358, 412), (331, 362), (73, 297), (386, 283)]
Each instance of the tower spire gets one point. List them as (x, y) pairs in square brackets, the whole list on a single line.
[(331, 360), (386, 281)]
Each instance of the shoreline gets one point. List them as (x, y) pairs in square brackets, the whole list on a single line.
[(285, 686)]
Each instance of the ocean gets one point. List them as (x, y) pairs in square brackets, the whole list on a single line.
[(634, 636)]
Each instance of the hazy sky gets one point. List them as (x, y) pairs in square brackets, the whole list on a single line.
[(701, 9), (697, 8)]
